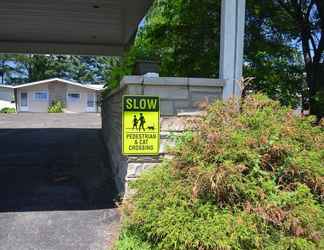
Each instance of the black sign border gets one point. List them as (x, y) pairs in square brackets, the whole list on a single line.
[(159, 129)]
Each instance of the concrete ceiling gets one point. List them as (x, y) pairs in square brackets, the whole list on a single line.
[(96, 27)]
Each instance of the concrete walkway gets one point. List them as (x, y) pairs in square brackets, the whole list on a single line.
[(56, 191)]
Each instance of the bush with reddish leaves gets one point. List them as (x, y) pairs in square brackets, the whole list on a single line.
[(251, 177)]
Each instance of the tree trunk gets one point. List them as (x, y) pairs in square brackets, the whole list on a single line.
[(316, 91), (314, 69)]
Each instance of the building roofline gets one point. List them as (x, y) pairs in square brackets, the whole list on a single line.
[(6, 86), (87, 86)]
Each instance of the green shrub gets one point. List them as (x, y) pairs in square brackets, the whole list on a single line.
[(131, 242), (8, 110), (56, 107), (248, 179)]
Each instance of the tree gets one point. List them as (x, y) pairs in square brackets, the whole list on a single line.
[(22, 68), (6, 68), (271, 55), (278, 78), (184, 36), (88, 69), (305, 19)]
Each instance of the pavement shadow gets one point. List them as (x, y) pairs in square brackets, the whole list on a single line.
[(50, 169)]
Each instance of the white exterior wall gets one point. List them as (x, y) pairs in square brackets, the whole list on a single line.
[(33, 105), (81, 105), (57, 91), (6, 97)]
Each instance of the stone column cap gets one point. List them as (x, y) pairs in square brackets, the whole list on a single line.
[(172, 81)]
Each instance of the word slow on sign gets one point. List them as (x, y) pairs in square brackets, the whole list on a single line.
[(141, 125)]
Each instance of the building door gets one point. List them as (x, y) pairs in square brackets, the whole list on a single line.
[(23, 101), (91, 102)]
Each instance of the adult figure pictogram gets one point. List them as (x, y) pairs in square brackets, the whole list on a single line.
[(142, 122)]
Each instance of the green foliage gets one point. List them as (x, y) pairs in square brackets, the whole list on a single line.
[(272, 54), (18, 68), (246, 179), (120, 67), (184, 35), (131, 242), (56, 107), (8, 110), (286, 31), (88, 69), (277, 77), (5, 68)]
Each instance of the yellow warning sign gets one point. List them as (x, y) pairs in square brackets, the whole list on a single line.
[(141, 125)]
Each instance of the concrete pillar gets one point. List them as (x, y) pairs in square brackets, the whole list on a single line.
[(232, 45)]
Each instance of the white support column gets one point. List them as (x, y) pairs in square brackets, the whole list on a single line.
[(232, 45)]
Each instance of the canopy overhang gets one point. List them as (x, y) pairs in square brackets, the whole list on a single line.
[(105, 27), (94, 27)]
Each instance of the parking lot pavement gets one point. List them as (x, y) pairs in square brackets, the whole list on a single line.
[(56, 191), (44, 120)]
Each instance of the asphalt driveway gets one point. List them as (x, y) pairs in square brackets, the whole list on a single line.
[(56, 190)]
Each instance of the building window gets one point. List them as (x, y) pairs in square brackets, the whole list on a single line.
[(91, 102), (74, 97), (40, 96)]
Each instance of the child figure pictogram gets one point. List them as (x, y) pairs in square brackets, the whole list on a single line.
[(135, 122)]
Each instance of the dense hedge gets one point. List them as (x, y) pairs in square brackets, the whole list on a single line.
[(249, 179)]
